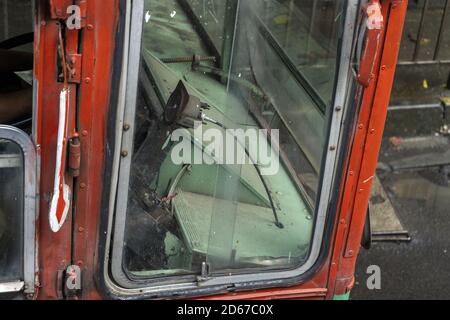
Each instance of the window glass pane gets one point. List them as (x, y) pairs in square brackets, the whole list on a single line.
[(236, 190), (11, 211)]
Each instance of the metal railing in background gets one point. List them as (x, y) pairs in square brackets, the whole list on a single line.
[(5, 18), (437, 56), (16, 18)]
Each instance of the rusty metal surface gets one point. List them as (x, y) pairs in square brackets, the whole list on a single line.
[(364, 155), (57, 250), (98, 40)]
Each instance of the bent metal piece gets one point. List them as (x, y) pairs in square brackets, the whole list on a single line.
[(375, 27)]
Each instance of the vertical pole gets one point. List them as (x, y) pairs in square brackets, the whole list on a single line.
[(5, 19), (441, 30), (420, 32)]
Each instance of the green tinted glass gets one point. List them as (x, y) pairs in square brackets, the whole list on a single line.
[(230, 134)]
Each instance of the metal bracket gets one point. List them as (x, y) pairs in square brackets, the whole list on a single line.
[(74, 66), (74, 162), (58, 9), (204, 273)]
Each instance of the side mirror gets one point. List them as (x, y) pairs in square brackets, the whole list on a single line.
[(184, 109)]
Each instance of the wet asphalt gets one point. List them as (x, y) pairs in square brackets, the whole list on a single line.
[(420, 196), (419, 269)]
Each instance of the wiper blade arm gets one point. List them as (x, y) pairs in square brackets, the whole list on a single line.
[(261, 177)]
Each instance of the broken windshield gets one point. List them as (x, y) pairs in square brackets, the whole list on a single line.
[(230, 133)]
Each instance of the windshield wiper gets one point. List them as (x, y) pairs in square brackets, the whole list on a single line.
[(187, 168), (261, 176), (178, 108)]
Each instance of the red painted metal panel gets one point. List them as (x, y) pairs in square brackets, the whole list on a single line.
[(54, 248), (97, 47), (88, 116), (367, 143), (97, 43)]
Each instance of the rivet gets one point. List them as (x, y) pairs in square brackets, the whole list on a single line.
[(84, 133), (126, 127), (82, 185), (87, 80), (80, 229), (90, 27), (124, 153)]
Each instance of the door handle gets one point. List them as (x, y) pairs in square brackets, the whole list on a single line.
[(374, 27), (61, 198)]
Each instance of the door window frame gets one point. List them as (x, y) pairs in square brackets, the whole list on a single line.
[(30, 198), (115, 277)]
